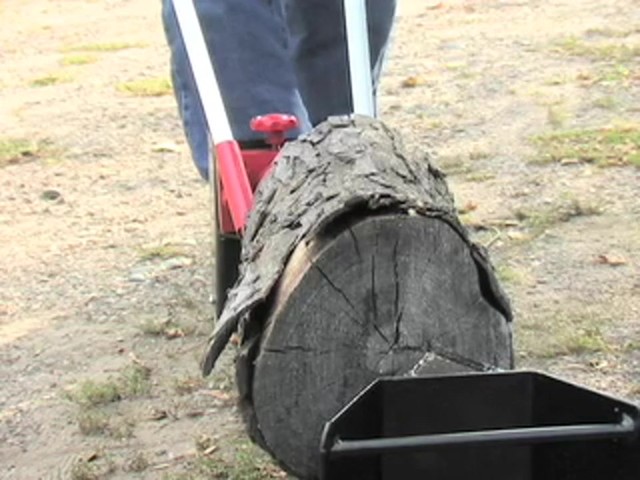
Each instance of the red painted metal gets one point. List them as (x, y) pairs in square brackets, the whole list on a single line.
[(275, 126), (234, 182), (257, 164), (247, 168)]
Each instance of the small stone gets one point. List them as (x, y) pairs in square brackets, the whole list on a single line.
[(52, 196)]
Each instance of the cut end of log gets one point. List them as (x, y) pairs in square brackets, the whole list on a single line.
[(354, 266), (389, 295)]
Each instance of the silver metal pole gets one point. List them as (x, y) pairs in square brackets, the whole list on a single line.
[(205, 78), (210, 97), (355, 12)]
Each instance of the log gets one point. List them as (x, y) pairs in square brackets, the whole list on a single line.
[(354, 266)]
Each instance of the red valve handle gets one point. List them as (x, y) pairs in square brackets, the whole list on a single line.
[(274, 125)]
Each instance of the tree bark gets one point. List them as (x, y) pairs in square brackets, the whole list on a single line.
[(354, 266)]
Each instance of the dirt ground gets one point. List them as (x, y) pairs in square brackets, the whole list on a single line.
[(532, 106)]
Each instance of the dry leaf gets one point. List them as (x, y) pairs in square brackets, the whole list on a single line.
[(164, 147), (210, 450), (517, 236), (171, 333), (235, 340), (413, 81), (569, 161), (612, 260), (219, 395), (599, 364), (468, 207), (158, 414)]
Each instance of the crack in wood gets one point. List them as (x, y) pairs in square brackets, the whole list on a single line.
[(396, 277), (374, 300), (356, 245), (296, 348), (340, 292)]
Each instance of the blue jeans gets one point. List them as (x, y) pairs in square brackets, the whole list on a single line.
[(286, 56)]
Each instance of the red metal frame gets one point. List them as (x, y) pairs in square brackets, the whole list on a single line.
[(257, 164), (247, 174)]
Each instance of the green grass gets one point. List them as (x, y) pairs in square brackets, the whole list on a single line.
[(578, 47), (479, 176), (83, 470), (557, 115), (540, 219), (135, 381), (92, 394), (137, 463), (245, 462), (78, 59), (166, 328), (16, 150), (51, 79), (92, 421), (614, 74), (147, 87), (509, 274), (556, 334), (97, 468), (605, 103), (103, 47), (104, 422), (607, 146), (610, 32)]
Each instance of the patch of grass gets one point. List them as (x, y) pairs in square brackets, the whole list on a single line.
[(479, 176), (608, 146), (605, 103), (246, 463), (479, 154), (16, 150), (577, 47), (559, 334), (51, 79), (135, 381), (614, 74), (78, 59), (92, 394), (609, 32), (104, 47), (161, 252), (92, 421), (509, 274), (557, 115), (539, 220), (137, 463), (153, 328), (97, 467), (147, 87), (454, 165), (166, 328), (121, 429), (631, 346), (635, 390), (83, 470)]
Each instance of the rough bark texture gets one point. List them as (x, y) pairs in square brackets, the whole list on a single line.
[(354, 266)]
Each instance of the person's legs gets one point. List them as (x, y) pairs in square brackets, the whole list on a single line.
[(248, 42), (318, 44)]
